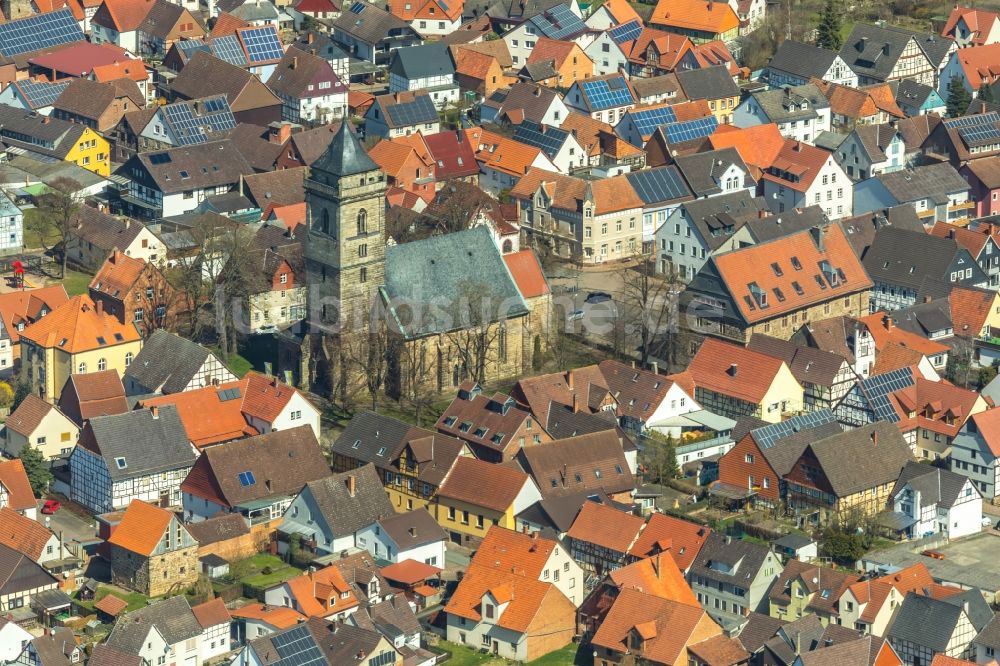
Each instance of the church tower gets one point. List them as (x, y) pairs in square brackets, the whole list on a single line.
[(345, 247)]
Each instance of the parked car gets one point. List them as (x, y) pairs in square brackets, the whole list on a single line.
[(51, 506), (598, 297), (575, 315)]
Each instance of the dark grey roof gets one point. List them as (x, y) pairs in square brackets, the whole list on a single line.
[(546, 138), (779, 225), (172, 617), (391, 618), (903, 257), (727, 560), (931, 622), (148, 443), (805, 61), (873, 51), (793, 541), (19, 573), (368, 433), (213, 164), (56, 646), (791, 103), (659, 185), (522, 96), (852, 462), (371, 26), (105, 655), (320, 45), (664, 84), (785, 451), (860, 229), (708, 83), (412, 529), (345, 156), (221, 527), (717, 218), (539, 71), (37, 133), (934, 181), (458, 273), (421, 62), (927, 320), (989, 636), (167, 363), (520, 10), (560, 512), (563, 422), (345, 514), (808, 364), (936, 486), (704, 171), (757, 630), (912, 93)]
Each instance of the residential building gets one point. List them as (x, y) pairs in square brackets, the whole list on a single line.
[(96, 234), (77, 337), (23, 579), (901, 261), (869, 105), (853, 471), (825, 377), (803, 175), (731, 576), (796, 63), (110, 467), (721, 303), (99, 106), (279, 299), (42, 426), (931, 413), (428, 68), (662, 190), (165, 629), (328, 513), (309, 88), (981, 175), (241, 477), (249, 99), (801, 112), (19, 309), (51, 138), (698, 21), (679, 539), (29, 537), (925, 627), (558, 21), (508, 162), (317, 635), (558, 144), (94, 394), (165, 24), (804, 589), (215, 622), (937, 192), (964, 140), (430, 17), (169, 364), (601, 537), (590, 462), (372, 34), (971, 67), (605, 98), (495, 428), (335, 601), (715, 172), (917, 99), (870, 150), (735, 382), (413, 536), (972, 27), (559, 62), (136, 292), (607, 54), (477, 495), (936, 501), (525, 100), (402, 114), (534, 556), (844, 336), (975, 451), (11, 227), (880, 53), (152, 552), (714, 85)]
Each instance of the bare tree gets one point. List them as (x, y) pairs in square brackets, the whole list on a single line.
[(54, 217), (650, 304), (412, 369), (366, 352), (478, 336), (240, 278)]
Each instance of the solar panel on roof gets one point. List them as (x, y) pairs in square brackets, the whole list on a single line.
[(357, 7), (977, 135), (188, 47), (626, 32), (262, 44), (878, 388), (296, 647), (39, 93), (228, 48), (647, 120), (602, 96), (37, 32), (766, 436), (549, 142), (191, 121), (558, 22), (967, 121), (691, 129), (420, 110), (660, 184)]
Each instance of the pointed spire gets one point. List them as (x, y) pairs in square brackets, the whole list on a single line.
[(345, 155)]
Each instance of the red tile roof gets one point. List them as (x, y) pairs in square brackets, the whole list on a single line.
[(279, 617), (76, 325), (523, 595), (759, 146), (15, 480), (884, 332), (453, 154), (527, 273), (483, 484), (321, 593), (111, 604), (516, 552), (81, 58), (988, 425), (979, 22), (666, 534), (122, 15), (23, 307), (970, 308), (606, 526), (713, 17), (227, 24), (141, 528), (712, 370), (409, 572), (117, 274), (23, 534), (211, 613), (940, 407), (979, 64), (801, 160), (657, 575), (28, 415)]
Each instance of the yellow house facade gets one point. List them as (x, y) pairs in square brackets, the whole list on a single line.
[(76, 338), (41, 425), (92, 152), (415, 485)]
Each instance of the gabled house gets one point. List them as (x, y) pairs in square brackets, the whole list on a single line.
[(18, 309), (241, 477), (801, 111), (937, 192), (964, 138), (524, 101), (558, 144), (405, 168), (975, 452), (95, 234), (607, 54), (715, 172), (22, 578), (713, 84), (94, 394), (152, 552), (534, 556), (249, 99), (925, 627), (825, 376), (77, 337), (429, 68), (731, 576), (216, 623), (370, 33), (110, 466), (796, 63), (309, 88), (664, 537), (166, 629), (429, 17), (932, 500), (602, 535), (401, 114), (880, 53), (117, 22), (169, 363), (970, 26), (558, 21), (49, 138), (28, 536), (495, 428), (699, 21), (605, 98), (99, 106), (322, 593), (508, 162), (869, 105), (931, 413), (870, 150), (165, 24), (653, 53), (804, 588), (42, 426), (327, 513), (809, 275), (584, 463), (803, 175), (515, 616), (917, 99), (901, 261), (413, 536), (562, 63), (974, 68), (136, 292), (853, 471)]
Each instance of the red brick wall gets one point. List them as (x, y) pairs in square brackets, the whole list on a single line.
[(735, 470)]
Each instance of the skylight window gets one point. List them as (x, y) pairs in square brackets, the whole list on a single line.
[(101, 340), (798, 288), (356, 444), (466, 426), (481, 431), (121, 463), (597, 473), (796, 264), (247, 479), (381, 451), (618, 469), (777, 269), (450, 421)]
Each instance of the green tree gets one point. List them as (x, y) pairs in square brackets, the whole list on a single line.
[(959, 97), (985, 93), (659, 456), (842, 546), (22, 391), (37, 468), (828, 30)]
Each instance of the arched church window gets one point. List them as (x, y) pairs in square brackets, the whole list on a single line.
[(362, 221)]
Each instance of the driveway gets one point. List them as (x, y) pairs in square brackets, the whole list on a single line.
[(71, 526)]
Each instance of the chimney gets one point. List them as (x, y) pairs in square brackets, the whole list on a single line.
[(818, 234), (655, 367), (413, 532), (128, 223), (310, 38), (887, 322), (351, 485), (295, 62), (732, 369), (656, 566), (569, 379), (729, 540), (874, 437), (99, 306), (576, 403), (798, 643), (154, 412)]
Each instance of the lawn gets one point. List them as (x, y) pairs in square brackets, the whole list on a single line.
[(263, 570), (135, 600), (265, 580), (76, 282), (237, 365), (465, 656)]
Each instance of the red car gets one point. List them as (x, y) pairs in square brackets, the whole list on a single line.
[(51, 506)]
